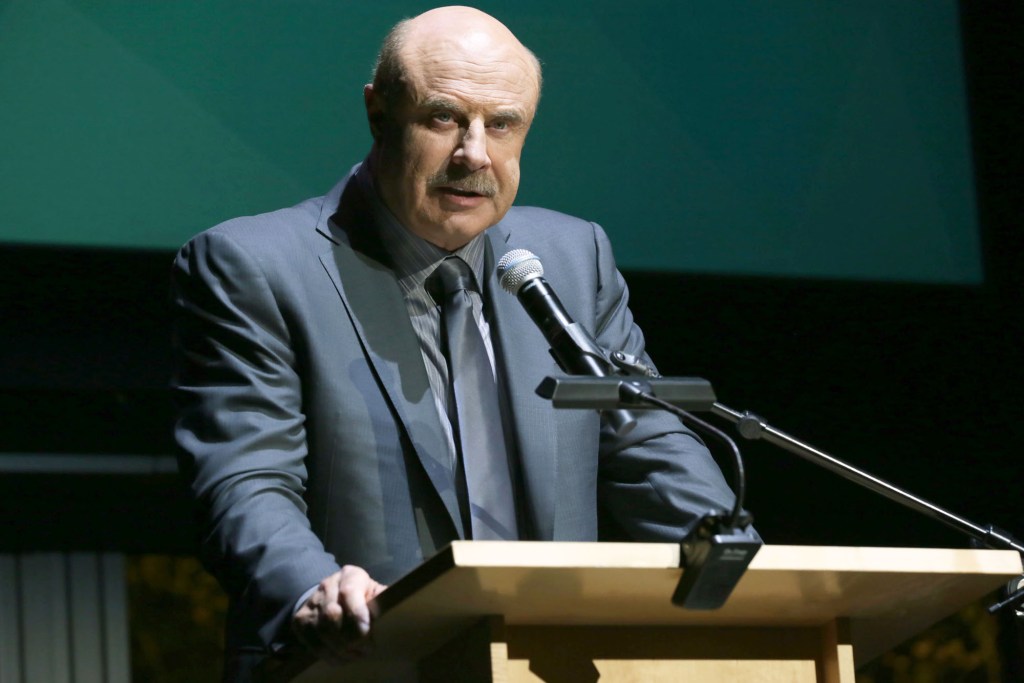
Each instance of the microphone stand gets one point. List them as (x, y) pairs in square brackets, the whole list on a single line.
[(694, 392), (751, 426)]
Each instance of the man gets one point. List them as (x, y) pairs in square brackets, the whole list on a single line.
[(314, 377)]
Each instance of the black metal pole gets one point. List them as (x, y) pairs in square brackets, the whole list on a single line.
[(752, 426)]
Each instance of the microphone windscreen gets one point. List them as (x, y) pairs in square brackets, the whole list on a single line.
[(517, 267)]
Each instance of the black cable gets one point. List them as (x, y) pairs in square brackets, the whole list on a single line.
[(695, 422)]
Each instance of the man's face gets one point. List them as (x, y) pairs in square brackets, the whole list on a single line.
[(449, 147)]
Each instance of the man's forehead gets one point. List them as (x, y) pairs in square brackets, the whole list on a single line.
[(468, 80), (473, 56)]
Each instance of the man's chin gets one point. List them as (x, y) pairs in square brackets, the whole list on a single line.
[(457, 231)]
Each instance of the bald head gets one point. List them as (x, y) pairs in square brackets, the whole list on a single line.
[(453, 97), (448, 24)]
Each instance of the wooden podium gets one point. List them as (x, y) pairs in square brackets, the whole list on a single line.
[(582, 612)]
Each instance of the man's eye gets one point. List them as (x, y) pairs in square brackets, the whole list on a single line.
[(500, 125), (443, 117)]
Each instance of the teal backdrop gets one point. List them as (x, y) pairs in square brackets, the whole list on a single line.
[(790, 138)]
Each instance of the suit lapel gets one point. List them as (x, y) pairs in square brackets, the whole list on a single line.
[(524, 360), (358, 267)]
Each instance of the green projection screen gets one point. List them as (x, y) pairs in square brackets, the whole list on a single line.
[(792, 138)]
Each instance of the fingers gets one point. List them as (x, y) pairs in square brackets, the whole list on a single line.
[(355, 589), (333, 620), (326, 599), (352, 599)]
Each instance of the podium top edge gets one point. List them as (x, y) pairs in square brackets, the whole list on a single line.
[(918, 560), (564, 554), (768, 558)]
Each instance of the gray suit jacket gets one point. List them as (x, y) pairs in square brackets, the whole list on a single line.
[(309, 433)]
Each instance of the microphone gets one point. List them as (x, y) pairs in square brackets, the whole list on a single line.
[(521, 274)]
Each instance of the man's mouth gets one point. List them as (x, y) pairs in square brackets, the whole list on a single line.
[(460, 192)]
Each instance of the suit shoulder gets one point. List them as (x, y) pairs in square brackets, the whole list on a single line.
[(535, 217), (268, 231), (544, 229)]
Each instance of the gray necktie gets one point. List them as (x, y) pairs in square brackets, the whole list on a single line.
[(473, 408)]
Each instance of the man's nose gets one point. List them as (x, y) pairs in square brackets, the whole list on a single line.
[(472, 149)]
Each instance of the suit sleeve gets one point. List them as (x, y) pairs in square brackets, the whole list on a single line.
[(240, 432), (655, 483)]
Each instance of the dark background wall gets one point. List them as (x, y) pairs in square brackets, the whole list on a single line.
[(919, 383)]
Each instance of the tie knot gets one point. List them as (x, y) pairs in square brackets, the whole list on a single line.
[(451, 275)]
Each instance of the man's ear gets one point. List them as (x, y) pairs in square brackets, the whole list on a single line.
[(374, 110)]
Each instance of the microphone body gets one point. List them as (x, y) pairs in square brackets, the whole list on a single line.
[(575, 351), (571, 345)]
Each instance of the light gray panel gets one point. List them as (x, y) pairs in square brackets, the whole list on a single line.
[(86, 611), (10, 623), (63, 618), (115, 604), (45, 618)]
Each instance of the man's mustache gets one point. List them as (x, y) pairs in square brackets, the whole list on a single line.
[(478, 183)]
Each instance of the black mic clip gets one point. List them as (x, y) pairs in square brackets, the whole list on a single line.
[(714, 557), (628, 364), (576, 352)]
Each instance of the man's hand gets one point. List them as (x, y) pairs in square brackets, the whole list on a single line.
[(335, 617)]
